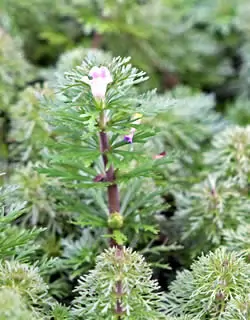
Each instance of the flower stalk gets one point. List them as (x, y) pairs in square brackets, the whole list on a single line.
[(113, 202), (113, 192)]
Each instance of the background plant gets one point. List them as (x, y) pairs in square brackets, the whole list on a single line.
[(195, 53)]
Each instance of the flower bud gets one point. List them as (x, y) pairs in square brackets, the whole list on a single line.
[(115, 220), (129, 137)]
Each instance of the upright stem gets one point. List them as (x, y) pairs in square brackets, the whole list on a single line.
[(113, 192), (113, 203)]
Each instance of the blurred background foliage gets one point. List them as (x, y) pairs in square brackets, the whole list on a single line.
[(197, 52)]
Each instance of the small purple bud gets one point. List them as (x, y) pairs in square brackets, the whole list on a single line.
[(128, 138)]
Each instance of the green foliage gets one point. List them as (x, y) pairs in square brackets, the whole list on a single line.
[(244, 81), (28, 136), (15, 71), (200, 49), (14, 68), (213, 285), (80, 254), (42, 195), (97, 295), (239, 112), (24, 294), (197, 194), (239, 240), (144, 30), (47, 27), (238, 309), (231, 153), (72, 58), (179, 318), (190, 121), (12, 306), (208, 210), (218, 204), (14, 241), (27, 282), (60, 312), (185, 129), (76, 157), (29, 132), (19, 282)]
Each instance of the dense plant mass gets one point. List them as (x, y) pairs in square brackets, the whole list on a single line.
[(118, 200)]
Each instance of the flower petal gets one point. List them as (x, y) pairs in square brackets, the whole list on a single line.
[(94, 72), (128, 138)]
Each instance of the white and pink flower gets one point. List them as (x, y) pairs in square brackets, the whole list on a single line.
[(100, 78)]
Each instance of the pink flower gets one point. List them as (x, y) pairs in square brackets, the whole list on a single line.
[(100, 78)]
